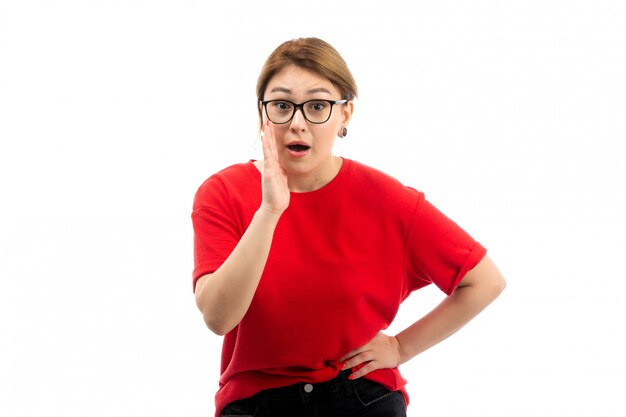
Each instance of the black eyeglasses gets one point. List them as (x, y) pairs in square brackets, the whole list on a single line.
[(315, 111)]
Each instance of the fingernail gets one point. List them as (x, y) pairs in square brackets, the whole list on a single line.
[(351, 376)]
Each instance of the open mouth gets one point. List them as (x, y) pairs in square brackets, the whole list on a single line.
[(298, 148)]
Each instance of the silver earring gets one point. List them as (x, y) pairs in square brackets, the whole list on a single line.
[(343, 132)]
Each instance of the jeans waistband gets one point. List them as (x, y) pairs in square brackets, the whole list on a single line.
[(340, 382)]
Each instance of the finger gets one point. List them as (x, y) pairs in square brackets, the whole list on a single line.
[(267, 134), (350, 355), (271, 157), (356, 351), (347, 356), (266, 140), (359, 359), (364, 370)]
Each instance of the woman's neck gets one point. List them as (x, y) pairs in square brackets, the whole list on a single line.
[(303, 183), (310, 181)]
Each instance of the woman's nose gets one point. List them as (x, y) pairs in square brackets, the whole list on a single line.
[(298, 122)]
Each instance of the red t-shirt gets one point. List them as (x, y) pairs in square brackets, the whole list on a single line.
[(342, 260)]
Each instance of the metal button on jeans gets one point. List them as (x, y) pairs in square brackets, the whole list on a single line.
[(308, 388)]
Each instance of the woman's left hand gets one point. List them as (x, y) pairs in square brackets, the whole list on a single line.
[(382, 352)]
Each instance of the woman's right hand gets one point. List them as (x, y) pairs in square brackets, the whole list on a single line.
[(224, 296), (274, 178)]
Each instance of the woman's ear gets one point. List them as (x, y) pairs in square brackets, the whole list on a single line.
[(348, 108)]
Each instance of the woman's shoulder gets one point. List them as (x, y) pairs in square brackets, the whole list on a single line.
[(242, 171), (374, 177), (382, 186), (234, 179)]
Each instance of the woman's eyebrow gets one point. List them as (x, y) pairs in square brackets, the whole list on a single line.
[(280, 90), (318, 90)]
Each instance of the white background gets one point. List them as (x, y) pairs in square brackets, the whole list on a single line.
[(509, 115)]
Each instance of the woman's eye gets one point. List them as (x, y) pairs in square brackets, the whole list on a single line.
[(317, 105), (282, 105)]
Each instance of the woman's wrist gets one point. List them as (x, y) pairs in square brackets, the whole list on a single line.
[(403, 355), (267, 214)]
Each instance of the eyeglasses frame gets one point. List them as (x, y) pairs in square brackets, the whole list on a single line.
[(300, 106)]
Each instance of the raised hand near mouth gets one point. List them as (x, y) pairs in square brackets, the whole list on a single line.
[(275, 187)]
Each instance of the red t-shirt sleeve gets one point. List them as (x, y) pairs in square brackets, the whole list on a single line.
[(438, 250), (216, 232)]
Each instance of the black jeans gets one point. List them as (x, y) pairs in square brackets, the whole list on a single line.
[(339, 397)]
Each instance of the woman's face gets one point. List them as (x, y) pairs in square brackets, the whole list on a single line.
[(305, 148)]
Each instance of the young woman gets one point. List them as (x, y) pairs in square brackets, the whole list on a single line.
[(302, 259)]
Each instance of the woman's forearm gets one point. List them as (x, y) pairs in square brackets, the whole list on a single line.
[(224, 296), (477, 290)]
